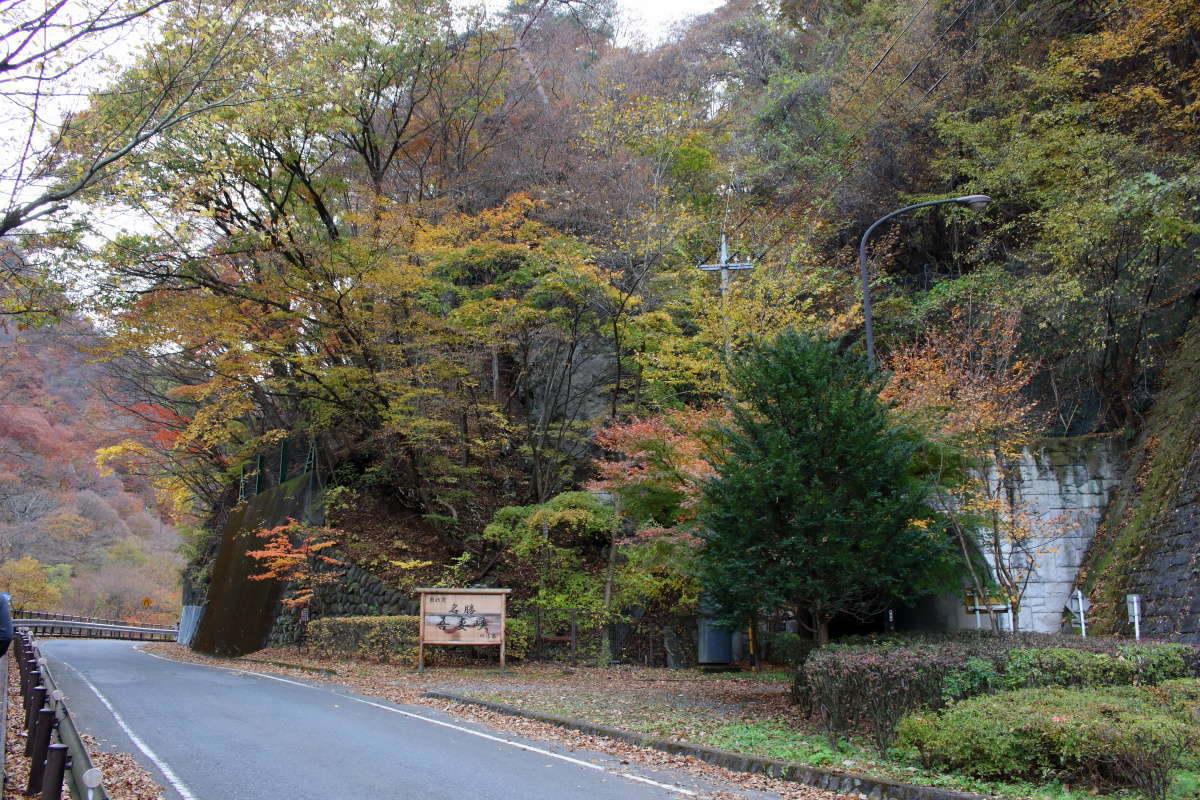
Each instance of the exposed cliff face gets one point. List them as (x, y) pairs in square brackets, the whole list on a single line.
[(1149, 543), (239, 613)]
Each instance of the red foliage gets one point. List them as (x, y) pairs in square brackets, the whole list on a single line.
[(663, 453), (163, 424)]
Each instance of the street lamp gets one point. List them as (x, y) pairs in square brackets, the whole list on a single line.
[(976, 202)]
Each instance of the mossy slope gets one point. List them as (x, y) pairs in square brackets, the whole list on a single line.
[(1149, 539)]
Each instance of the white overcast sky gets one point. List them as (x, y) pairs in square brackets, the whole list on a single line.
[(649, 20), (657, 16)]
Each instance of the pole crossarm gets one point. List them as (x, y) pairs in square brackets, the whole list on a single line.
[(725, 266), (730, 266), (724, 263)]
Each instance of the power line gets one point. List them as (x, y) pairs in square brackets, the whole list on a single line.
[(928, 92), (896, 40), (936, 46), (978, 40)]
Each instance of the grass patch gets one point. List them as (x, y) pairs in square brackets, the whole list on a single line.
[(772, 740)]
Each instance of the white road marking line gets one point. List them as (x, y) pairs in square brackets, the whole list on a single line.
[(167, 772), (521, 746), (480, 734)]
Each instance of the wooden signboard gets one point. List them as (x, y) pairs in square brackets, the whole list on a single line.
[(462, 616)]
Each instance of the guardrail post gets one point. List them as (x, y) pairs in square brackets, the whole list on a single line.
[(38, 691), (39, 745), (574, 633), (56, 765), (28, 663), (33, 721)]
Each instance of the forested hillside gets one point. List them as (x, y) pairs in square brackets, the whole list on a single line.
[(454, 255), (74, 538)]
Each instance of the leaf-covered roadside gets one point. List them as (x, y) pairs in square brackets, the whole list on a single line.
[(124, 778), (743, 712)]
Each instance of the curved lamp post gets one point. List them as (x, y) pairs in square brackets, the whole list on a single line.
[(976, 202)]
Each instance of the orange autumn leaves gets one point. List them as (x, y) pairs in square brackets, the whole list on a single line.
[(295, 553), (966, 383)]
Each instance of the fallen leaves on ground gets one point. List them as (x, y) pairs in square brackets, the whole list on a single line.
[(124, 778), (16, 765)]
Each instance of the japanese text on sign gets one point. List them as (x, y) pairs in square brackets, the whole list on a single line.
[(451, 618)]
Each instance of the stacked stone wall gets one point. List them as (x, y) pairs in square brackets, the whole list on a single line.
[(1168, 575), (1066, 485), (1150, 542), (1063, 486), (357, 593)]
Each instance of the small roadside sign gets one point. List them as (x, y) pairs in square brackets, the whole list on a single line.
[(1133, 604), (462, 616)]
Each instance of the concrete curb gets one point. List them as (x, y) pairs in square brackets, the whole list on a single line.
[(846, 783)]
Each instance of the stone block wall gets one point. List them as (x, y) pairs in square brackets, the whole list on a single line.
[(1167, 575), (1150, 541), (357, 594), (1064, 486)]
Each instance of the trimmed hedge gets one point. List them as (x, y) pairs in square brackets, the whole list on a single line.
[(1180, 697), (386, 639), (873, 685), (1113, 738), (391, 638)]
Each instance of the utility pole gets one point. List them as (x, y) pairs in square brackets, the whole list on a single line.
[(725, 266)]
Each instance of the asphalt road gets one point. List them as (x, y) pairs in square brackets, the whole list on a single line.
[(207, 733)]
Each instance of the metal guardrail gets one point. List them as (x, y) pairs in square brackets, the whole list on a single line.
[(95, 630), (48, 615), (3, 715), (52, 764)]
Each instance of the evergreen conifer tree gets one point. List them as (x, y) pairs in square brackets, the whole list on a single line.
[(817, 503)]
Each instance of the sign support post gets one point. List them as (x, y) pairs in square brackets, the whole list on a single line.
[(421, 638), (1082, 613)]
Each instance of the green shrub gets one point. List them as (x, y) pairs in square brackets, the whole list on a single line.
[(386, 639), (874, 681), (1160, 662), (518, 635), (1060, 666), (1181, 697), (791, 649), (975, 677), (1115, 738)]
